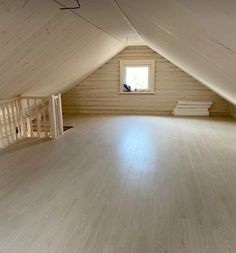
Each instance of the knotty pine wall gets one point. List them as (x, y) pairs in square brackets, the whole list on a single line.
[(99, 93)]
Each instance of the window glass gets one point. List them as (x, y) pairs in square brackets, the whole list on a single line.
[(137, 77)]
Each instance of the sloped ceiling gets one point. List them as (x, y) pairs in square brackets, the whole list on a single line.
[(45, 50), (198, 36), (107, 15)]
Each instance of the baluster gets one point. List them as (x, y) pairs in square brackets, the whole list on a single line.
[(14, 121), (1, 129), (38, 117), (5, 125), (30, 126), (44, 118), (18, 118)]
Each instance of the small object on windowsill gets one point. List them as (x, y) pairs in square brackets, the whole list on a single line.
[(136, 93), (126, 88)]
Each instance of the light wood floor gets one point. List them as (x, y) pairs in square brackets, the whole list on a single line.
[(115, 184)]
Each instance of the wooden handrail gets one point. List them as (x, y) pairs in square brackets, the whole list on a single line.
[(8, 100), (33, 97)]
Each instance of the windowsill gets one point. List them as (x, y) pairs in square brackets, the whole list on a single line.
[(137, 93)]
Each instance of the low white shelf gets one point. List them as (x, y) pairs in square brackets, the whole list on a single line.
[(192, 108)]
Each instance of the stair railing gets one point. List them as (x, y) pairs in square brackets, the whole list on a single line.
[(30, 117)]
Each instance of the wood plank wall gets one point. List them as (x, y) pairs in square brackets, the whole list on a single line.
[(99, 92), (233, 111)]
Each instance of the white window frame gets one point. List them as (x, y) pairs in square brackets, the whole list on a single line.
[(138, 63)]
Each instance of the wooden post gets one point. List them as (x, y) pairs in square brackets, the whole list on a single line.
[(52, 117), (22, 119), (55, 115), (60, 116)]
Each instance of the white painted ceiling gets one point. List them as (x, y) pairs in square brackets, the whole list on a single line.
[(46, 50), (106, 15), (198, 36)]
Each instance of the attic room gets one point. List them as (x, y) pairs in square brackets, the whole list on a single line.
[(117, 126)]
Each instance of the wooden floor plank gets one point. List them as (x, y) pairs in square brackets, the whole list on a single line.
[(122, 184)]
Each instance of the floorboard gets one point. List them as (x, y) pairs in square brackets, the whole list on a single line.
[(122, 184)]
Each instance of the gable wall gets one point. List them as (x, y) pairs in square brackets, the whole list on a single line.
[(99, 92), (195, 35), (233, 111)]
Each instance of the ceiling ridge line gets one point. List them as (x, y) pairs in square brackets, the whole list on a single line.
[(197, 52), (89, 22), (116, 3)]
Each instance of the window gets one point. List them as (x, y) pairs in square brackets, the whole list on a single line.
[(137, 76)]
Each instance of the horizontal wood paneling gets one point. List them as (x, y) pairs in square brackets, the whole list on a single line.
[(99, 92), (233, 111)]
